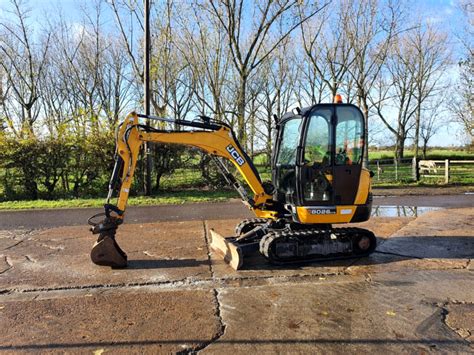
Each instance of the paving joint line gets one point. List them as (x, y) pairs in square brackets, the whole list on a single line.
[(14, 245), (400, 255), (193, 283), (189, 282), (217, 304), (436, 260)]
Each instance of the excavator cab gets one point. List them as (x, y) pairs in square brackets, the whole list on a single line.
[(317, 164)]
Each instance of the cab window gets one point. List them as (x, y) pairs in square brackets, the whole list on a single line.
[(349, 136), (286, 159), (289, 142), (318, 138)]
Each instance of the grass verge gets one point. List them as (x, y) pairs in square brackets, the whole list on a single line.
[(164, 198)]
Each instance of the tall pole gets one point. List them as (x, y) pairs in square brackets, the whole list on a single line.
[(146, 87)]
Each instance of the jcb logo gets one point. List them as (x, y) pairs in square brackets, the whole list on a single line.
[(235, 154)]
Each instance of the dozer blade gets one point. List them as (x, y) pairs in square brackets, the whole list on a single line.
[(230, 252), (106, 252)]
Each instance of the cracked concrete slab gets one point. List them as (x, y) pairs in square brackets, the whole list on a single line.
[(140, 322), (431, 286), (327, 318), (460, 318), (12, 238), (59, 257)]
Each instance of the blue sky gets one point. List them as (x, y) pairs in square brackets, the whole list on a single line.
[(437, 11), (443, 13)]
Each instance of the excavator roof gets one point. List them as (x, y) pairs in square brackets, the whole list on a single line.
[(296, 112), (303, 111)]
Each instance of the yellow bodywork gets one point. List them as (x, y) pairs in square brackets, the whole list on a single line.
[(219, 143), (344, 213), (364, 187)]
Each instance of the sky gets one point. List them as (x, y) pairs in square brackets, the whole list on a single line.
[(442, 13)]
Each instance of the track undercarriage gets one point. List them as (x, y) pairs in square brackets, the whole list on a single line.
[(282, 242)]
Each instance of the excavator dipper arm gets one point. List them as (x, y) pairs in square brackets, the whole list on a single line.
[(216, 139)]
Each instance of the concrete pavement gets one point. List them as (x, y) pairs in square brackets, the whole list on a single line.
[(414, 294)]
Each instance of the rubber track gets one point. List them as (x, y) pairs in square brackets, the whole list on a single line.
[(249, 221), (302, 236)]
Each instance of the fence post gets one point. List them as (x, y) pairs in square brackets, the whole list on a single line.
[(378, 171), (446, 171), (414, 169), (396, 169)]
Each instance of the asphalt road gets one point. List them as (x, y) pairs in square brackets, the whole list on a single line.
[(33, 219)]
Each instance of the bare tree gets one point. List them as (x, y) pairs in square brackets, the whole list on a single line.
[(2, 85), (462, 102), (86, 80), (203, 46), (410, 75), (250, 47), (23, 62), (133, 13), (327, 47), (113, 88), (370, 29), (279, 79), (3, 94), (429, 62), (462, 105), (393, 94), (172, 74), (430, 121)]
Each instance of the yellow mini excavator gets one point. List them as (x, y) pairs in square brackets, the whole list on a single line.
[(317, 181)]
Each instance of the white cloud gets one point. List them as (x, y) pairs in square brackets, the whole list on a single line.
[(434, 19)]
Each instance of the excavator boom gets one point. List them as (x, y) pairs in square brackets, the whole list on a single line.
[(214, 138)]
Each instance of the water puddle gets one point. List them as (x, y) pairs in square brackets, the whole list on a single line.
[(401, 211)]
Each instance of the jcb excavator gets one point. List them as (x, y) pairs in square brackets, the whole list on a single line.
[(317, 180)]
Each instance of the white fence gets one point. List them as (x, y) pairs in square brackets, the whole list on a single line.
[(432, 171)]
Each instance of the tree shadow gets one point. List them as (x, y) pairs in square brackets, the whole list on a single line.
[(388, 250), (429, 247)]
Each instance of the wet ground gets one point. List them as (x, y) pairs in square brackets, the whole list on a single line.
[(414, 294)]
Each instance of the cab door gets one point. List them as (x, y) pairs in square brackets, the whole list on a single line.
[(316, 157), (284, 164), (349, 145)]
